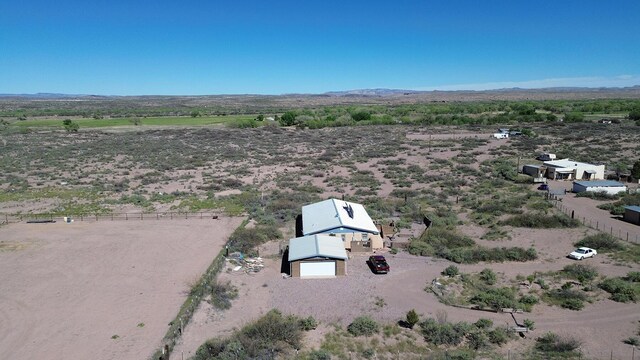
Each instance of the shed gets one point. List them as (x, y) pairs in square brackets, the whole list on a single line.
[(632, 214), (317, 256), (608, 186)]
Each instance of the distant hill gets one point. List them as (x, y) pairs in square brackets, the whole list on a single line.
[(378, 92)]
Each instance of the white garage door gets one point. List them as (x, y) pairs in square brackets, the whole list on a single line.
[(322, 268)]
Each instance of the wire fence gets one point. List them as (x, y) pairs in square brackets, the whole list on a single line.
[(48, 217), (608, 226)]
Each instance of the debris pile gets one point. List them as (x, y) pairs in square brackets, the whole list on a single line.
[(237, 261)]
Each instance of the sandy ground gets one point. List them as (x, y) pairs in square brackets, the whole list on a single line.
[(98, 290), (601, 326)]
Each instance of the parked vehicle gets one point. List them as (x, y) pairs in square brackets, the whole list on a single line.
[(543, 187), (582, 253), (546, 157), (378, 264)]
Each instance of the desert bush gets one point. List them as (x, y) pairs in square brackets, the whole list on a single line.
[(363, 325), (496, 298), (580, 272), (633, 276), (438, 239), (477, 254), (270, 336), (621, 290), (309, 323), (320, 354), (443, 333), (566, 297), (530, 324), (451, 270), (598, 195), (617, 208), (483, 323), (551, 342), (222, 294), (602, 242), (541, 221), (488, 276), (245, 240), (499, 336)]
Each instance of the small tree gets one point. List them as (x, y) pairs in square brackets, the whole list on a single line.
[(195, 113), (288, 119), (412, 318), (635, 171), (70, 126)]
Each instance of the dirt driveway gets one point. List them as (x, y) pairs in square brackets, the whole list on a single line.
[(98, 290), (387, 298)]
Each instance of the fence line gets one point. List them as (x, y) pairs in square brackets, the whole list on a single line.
[(597, 225), (15, 218)]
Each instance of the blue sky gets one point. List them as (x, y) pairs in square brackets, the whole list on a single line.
[(190, 47)]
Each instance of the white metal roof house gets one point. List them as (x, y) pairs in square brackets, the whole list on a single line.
[(346, 220), (608, 186), (317, 256), (334, 216), (565, 169)]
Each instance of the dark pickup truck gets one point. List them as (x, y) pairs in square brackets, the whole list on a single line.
[(378, 264)]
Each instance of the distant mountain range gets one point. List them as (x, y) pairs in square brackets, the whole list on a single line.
[(379, 92)]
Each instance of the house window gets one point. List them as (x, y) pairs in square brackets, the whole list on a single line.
[(344, 237), (365, 237)]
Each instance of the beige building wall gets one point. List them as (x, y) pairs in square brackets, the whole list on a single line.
[(376, 241)]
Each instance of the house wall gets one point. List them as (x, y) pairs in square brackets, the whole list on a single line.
[(347, 238), (534, 171), (632, 216), (611, 190)]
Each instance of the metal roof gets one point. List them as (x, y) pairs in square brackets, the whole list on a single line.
[(599, 183), (566, 163), (316, 246), (635, 208), (333, 214)]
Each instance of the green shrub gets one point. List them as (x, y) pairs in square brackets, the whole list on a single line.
[(530, 324), (222, 294), (319, 355), (483, 323), (541, 221), (363, 325), (495, 298), (412, 318), (451, 270), (245, 240), (308, 324), (602, 242), (621, 290), (267, 337), (580, 272), (499, 336), (572, 304), (488, 276), (551, 342), (443, 334), (634, 341), (633, 276)]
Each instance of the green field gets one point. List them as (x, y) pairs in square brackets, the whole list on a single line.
[(150, 121)]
